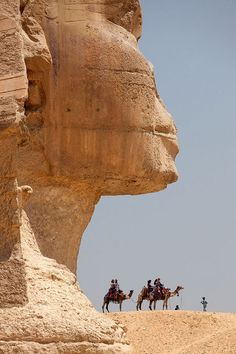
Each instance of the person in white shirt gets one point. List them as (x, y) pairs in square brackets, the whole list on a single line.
[(204, 304)]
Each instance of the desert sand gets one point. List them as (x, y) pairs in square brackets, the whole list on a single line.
[(179, 332)]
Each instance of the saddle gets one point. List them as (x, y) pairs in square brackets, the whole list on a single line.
[(113, 295), (158, 292)]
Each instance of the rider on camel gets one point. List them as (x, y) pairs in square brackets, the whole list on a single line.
[(158, 285), (112, 289), (117, 286), (149, 287)]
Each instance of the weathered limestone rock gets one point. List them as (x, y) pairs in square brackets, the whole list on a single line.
[(80, 117)]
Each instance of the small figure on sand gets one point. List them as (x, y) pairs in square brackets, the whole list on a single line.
[(204, 303), (177, 307)]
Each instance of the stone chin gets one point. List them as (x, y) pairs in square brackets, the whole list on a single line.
[(120, 162)]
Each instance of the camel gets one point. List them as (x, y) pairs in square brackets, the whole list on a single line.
[(155, 296), (120, 298)]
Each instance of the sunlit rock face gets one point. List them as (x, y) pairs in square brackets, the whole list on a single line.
[(101, 117), (80, 117)]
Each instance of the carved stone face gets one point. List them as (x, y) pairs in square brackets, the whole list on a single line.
[(102, 117)]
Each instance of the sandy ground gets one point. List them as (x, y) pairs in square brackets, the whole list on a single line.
[(179, 332)]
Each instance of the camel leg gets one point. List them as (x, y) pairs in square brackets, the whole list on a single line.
[(120, 305), (154, 305), (107, 306), (103, 306), (139, 305), (150, 305), (165, 304)]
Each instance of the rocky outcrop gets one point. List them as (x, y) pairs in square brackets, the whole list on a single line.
[(57, 318), (80, 117)]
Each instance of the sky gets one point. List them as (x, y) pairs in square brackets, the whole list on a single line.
[(185, 234)]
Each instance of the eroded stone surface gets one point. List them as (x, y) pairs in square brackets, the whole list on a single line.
[(80, 117), (58, 317)]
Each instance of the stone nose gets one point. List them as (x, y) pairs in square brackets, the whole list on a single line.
[(164, 122)]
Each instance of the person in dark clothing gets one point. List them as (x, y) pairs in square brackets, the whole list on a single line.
[(158, 285), (177, 307), (112, 289), (157, 282), (117, 285), (149, 287)]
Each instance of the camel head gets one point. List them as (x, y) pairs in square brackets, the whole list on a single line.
[(130, 293), (178, 289)]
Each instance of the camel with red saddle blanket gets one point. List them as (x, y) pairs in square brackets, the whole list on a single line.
[(155, 296)]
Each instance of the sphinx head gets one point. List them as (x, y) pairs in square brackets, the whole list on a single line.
[(96, 105)]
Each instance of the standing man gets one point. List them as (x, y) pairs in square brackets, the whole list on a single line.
[(204, 304)]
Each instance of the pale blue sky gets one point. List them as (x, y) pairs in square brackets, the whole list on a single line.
[(185, 234)]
